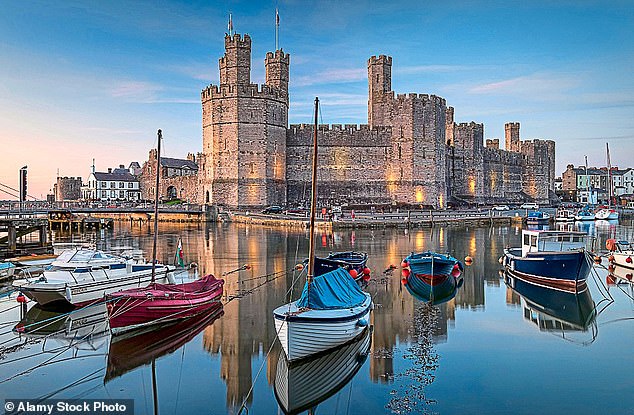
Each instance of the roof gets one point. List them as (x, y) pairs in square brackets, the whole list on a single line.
[(135, 164), (119, 175), (178, 163)]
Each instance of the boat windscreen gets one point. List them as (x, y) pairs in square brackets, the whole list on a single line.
[(332, 290)]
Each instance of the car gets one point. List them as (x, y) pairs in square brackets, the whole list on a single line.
[(529, 206), (500, 207), (272, 209)]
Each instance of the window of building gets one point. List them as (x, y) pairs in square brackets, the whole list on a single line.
[(112, 185), (122, 194), (121, 185), (130, 185)]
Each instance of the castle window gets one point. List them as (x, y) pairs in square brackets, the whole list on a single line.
[(252, 167), (377, 78), (399, 151)]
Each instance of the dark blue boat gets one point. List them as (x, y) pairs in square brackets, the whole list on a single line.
[(538, 218), (553, 310), (431, 264), (553, 259), (349, 260)]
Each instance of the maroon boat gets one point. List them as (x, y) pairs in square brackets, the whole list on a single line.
[(162, 303)]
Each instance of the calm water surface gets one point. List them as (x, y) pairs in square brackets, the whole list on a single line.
[(487, 350)]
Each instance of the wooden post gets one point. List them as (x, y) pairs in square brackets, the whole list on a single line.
[(43, 235), (11, 238)]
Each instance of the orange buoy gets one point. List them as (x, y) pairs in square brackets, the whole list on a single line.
[(610, 280), (366, 271), (468, 260), (405, 273), (404, 264), (353, 273), (597, 259), (404, 281), (299, 267), (610, 244), (611, 268), (611, 258)]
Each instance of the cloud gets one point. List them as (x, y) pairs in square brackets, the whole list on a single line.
[(406, 70), (134, 90), (548, 85)]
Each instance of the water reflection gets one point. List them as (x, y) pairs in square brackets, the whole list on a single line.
[(555, 311), (305, 384), (223, 360)]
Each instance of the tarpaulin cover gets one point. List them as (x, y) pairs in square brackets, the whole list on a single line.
[(332, 290)]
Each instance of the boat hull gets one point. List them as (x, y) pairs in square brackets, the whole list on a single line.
[(159, 304), (430, 264), (346, 260), (606, 214), (621, 259), (83, 292), (305, 333), (436, 290), (559, 270)]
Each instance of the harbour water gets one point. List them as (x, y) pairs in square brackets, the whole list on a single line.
[(489, 349)]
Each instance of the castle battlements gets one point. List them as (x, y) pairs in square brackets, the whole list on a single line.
[(471, 124), (237, 41), (299, 128), (251, 90), (413, 97), (380, 60), (279, 55)]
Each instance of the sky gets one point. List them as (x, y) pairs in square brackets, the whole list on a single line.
[(84, 80)]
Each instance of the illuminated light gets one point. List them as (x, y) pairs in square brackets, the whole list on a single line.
[(441, 201), (472, 185), (420, 194)]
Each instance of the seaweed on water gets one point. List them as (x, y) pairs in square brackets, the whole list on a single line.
[(424, 362)]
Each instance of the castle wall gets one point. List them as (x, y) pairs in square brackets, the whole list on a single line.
[(351, 163), (537, 179), (67, 188)]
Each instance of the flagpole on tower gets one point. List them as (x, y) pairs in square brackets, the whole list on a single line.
[(230, 26), (277, 29)]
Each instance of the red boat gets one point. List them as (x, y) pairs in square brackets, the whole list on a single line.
[(162, 303)]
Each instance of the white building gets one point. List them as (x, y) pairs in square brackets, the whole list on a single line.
[(115, 185)]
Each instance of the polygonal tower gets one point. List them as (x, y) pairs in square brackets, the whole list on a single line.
[(244, 130)]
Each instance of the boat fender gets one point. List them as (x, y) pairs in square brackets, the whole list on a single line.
[(353, 273), (512, 264), (21, 298), (597, 259), (460, 282), (362, 322), (610, 244), (628, 259), (611, 258), (404, 264), (69, 294)]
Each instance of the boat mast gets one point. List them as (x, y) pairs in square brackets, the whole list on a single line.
[(313, 204), (587, 183), (607, 148), (156, 200)]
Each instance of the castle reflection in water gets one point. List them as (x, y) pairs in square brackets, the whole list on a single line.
[(247, 330)]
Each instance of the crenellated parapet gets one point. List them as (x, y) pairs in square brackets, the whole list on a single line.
[(277, 56), (337, 135), (261, 91)]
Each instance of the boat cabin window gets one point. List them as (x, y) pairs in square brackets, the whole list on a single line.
[(533, 240)]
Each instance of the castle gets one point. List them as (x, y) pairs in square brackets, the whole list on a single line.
[(411, 152)]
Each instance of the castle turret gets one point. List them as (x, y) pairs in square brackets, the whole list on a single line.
[(379, 85), (512, 136), (276, 66), (235, 66)]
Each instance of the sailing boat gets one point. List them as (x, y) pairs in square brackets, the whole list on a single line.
[(161, 303), (609, 213), (332, 309), (586, 212)]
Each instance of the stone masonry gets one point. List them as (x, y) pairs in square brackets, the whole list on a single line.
[(411, 152)]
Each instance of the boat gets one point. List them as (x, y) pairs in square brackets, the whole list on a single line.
[(554, 311), (619, 274), (435, 290), (6, 270), (564, 215), (608, 213), (621, 253), (585, 214), (78, 277), (304, 385), (352, 261), (537, 218), (33, 261), (555, 259), (332, 309), (127, 352), (428, 264), (161, 303)]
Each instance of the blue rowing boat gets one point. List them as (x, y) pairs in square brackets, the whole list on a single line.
[(430, 264)]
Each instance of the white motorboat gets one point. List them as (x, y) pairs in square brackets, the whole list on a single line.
[(584, 214), (606, 214), (332, 309), (564, 215), (78, 277)]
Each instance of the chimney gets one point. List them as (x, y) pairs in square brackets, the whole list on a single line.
[(121, 166), (109, 170)]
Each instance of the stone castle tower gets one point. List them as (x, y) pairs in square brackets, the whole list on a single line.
[(416, 172), (244, 130)]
